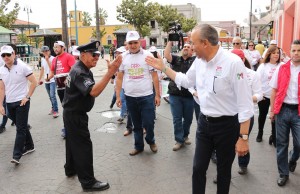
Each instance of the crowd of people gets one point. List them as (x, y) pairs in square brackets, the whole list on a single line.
[(222, 87)]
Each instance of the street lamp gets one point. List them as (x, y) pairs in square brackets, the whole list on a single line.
[(70, 16), (28, 11), (250, 22)]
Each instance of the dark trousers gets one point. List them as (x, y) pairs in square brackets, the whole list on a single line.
[(79, 148), (5, 117), (263, 112), (19, 115), (221, 136), (61, 94), (244, 160)]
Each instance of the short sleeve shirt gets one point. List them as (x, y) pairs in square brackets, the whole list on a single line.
[(79, 83), (46, 67), (63, 64)]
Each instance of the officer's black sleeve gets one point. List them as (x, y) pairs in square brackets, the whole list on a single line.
[(84, 83)]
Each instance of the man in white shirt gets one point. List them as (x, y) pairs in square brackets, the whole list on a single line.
[(137, 79), (225, 101), (50, 85), (14, 77), (285, 103)]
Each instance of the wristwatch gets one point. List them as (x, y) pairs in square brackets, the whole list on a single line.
[(244, 137), (28, 97)]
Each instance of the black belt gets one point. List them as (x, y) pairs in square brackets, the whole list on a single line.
[(291, 106), (216, 119)]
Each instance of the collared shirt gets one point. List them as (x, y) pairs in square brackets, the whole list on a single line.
[(221, 86), (292, 91), (265, 72), (15, 80), (137, 80)]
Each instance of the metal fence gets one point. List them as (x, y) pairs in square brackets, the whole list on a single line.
[(33, 61)]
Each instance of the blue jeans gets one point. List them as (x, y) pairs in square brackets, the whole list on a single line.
[(182, 109), (287, 119), (51, 90), (123, 113), (19, 115), (244, 160), (142, 114)]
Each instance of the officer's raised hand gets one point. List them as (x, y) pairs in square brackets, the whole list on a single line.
[(114, 65)]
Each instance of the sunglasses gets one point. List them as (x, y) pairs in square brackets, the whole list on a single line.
[(236, 43), (6, 55), (251, 45), (95, 54)]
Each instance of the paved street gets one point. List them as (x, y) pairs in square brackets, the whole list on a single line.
[(166, 172)]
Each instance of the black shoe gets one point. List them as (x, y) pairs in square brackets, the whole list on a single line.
[(98, 186), (281, 181), (12, 124), (70, 174), (215, 180), (259, 138), (270, 139), (29, 127), (243, 170), (2, 129)]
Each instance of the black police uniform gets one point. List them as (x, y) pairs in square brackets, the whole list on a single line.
[(77, 102)]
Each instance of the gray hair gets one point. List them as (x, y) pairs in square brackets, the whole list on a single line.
[(208, 32)]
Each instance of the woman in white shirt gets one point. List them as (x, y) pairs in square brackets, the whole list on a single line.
[(253, 55), (265, 71)]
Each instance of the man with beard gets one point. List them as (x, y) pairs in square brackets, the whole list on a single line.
[(181, 100)]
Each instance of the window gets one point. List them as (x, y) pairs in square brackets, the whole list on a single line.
[(152, 23), (109, 41)]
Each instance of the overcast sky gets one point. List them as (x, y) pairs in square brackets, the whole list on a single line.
[(47, 13)]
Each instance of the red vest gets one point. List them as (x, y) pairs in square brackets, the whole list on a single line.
[(284, 76)]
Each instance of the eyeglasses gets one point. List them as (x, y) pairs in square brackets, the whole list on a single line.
[(133, 43), (250, 45), (6, 55), (236, 43), (186, 47), (95, 54)]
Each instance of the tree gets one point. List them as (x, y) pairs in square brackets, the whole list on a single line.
[(166, 15), (102, 33), (137, 13), (86, 19), (22, 38), (103, 16), (7, 18)]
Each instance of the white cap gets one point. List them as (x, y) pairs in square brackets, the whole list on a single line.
[(60, 43), (273, 42), (75, 52), (132, 35), (152, 49), (7, 49), (97, 52), (121, 49)]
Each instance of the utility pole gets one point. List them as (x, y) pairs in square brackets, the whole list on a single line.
[(97, 22), (64, 21), (250, 25)]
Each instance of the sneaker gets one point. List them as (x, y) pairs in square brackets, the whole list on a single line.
[(15, 161), (63, 133), (2, 129), (187, 141), (28, 151), (177, 146), (55, 114)]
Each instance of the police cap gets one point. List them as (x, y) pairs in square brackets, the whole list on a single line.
[(90, 47)]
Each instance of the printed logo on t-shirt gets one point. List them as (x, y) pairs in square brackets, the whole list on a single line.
[(136, 71), (59, 67)]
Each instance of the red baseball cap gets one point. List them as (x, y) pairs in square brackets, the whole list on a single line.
[(239, 53)]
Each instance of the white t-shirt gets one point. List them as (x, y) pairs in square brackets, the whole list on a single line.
[(221, 85), (292, 91), (254, 84), (265, 72), (45, 65), (254, 56), (15, 80), (137, 80)]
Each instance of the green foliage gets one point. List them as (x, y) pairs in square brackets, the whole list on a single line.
[(187, 24), (102, 33), (22, 39), (102, 15), (86, 19), (166, 14), (7, 18), (137, 13)]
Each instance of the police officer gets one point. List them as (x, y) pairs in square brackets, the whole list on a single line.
[(79, 99), (225, 101)]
